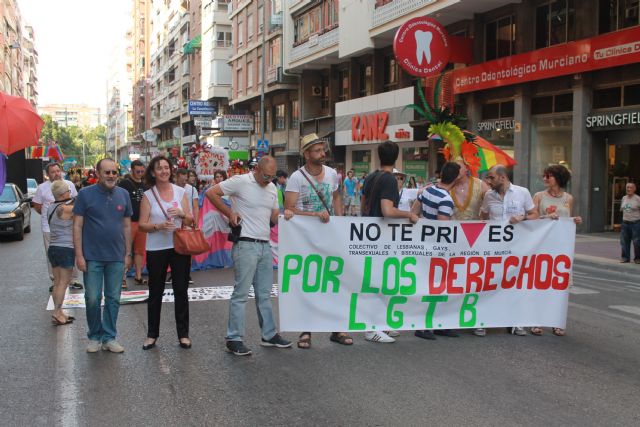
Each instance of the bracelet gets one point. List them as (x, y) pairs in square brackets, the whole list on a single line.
[(155, 227)]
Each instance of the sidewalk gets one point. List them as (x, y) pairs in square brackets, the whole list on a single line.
[(602, 250)]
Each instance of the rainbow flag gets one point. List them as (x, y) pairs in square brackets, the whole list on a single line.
[(490, 155)]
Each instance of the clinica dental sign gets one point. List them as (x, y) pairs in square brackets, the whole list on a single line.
[(374, 274), (421, 46)]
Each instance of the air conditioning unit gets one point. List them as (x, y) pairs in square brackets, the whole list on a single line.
[(316, 91)]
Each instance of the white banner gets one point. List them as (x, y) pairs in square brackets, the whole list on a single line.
[(373, 274)]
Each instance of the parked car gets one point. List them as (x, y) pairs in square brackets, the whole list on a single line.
[(32, 186), (15, 212)]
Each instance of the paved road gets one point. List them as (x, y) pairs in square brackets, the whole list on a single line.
[(589, 377)]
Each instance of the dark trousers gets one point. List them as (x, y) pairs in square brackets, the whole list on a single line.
[(157, 263)]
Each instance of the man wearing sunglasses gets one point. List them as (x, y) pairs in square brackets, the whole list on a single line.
[(134, 185), (314, 190), (102, 242), (254, 206)]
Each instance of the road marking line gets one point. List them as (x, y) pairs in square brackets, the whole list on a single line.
[(65, 354), (604, 313), (627, 308), (576, 290)]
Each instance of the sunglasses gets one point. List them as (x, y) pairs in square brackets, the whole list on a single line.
[(268, 177), (400, 177), (110, 172)]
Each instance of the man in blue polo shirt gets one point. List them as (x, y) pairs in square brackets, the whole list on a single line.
[(102, 241)]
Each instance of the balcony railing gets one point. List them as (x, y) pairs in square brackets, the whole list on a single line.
[(316, 43), (396, 9)]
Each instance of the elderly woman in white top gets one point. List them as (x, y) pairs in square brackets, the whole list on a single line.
[(164, 208)]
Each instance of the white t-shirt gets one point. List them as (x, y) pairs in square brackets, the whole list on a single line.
[(517, 201), (159, 240), (44, 197), (308, 200), (407, 196), (192, 194), (253, 203)]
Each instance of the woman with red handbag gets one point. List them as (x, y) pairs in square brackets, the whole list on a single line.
[(163, 210)]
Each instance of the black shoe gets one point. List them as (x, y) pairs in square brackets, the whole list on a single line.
[(276, 341), (76, 285), (149, 346), (446, 333), (427, 335), (186, 345), (238, 348)]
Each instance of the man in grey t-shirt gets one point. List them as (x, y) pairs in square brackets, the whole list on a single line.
[(630, 230)]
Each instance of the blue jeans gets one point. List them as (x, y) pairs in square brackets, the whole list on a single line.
[(630, 233), (253, 266), (102, 323)]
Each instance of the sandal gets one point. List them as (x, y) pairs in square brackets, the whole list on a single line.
[(536, 330), (141, 281), (124, 284), (304, 342), (341, 338), (57, 322), (558, 332)]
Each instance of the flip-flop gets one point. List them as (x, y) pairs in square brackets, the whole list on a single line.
[(57, 322), (141, 282), (558, 332), (536, 330), (304, 343)]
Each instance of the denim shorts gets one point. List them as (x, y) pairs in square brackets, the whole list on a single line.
[(61, 257)]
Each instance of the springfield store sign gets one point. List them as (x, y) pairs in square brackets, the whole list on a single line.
[(605, 51), (613, 120), (376, 118)]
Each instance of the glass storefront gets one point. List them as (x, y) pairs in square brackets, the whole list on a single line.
[(361, 161), (501, 138), (415, 162), (550, 145)]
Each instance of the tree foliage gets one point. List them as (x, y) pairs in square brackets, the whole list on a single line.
[(71, 138)]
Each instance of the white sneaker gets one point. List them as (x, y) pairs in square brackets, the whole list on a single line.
[(517, 330), (480, 332), (113, 346), (392, 333), (378, 337), (93, 346)]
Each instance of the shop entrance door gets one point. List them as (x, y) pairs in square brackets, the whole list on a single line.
[(623, 165)]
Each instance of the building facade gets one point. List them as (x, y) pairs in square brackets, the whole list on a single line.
[(586, 120), (80, 115), (141, 100)]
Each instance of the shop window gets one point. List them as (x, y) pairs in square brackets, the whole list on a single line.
[(555, 23), (500, 38), (361, 162), (632, 95), (617, 14), (542, 105), (506, 109), (390, 72), (295, 114), (607, 98), (343, 85), (563, 103), (280, 117), (490, 111), (366, 80), (550, 145)]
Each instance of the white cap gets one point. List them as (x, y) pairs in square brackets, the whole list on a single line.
[(397, 172)]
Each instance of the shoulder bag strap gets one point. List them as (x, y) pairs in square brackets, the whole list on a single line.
[(53, 212), (316, 190), (153, 190)]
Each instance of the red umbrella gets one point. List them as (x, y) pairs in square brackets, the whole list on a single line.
[(20, 124)]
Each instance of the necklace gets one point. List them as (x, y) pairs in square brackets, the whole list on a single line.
[(467, 200), (557, 196), (313, 174)]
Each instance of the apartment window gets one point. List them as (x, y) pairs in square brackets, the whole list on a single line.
[(343, 85), (390, 72), (260, 69), (295, 114), (260, 19), (267, 119), (240, 33), (632, 95), (276, 6), (223, 4), (555, 23), (497, 110), (366, 80), (239, 81), (250, 26), (610, 97), (324, 104), (500, 38), (618, 14), (256, 121), (223, 38), (249, 75), (280, 117), (274, 52), (307, 25), (332, 12)]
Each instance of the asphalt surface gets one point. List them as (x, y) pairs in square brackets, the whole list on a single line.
[(589, 377)]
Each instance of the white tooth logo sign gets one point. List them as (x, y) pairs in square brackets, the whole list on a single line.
[(423, 45)]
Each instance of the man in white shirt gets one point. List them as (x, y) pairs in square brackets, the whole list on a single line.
[(506, 202), (41, 201), (254, 201)]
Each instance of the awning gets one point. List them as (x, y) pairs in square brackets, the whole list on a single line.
[(193, 44)]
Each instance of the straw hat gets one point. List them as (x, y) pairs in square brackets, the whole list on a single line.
[(308, 141)]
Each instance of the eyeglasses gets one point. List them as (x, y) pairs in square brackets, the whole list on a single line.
[(139, 171), (268, 177), (400, 177), (110, 172)]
